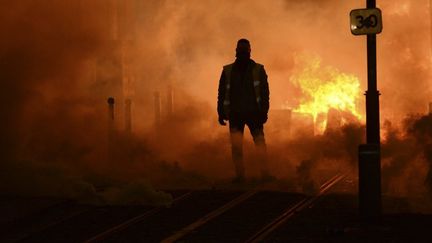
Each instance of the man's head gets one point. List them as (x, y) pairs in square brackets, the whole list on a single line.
[(243, 49)]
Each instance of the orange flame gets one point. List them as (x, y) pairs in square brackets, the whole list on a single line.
[(325, 88)]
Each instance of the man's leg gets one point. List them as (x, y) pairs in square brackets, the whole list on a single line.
[(257, 130), (236, 134)]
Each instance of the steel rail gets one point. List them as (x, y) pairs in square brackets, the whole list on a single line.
[(132, 221), (302, 204), (188, 229)]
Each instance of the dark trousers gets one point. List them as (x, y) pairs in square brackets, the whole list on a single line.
[(237, 124)]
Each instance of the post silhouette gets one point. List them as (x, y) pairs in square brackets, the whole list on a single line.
[(157, 108), (128, 116), (369, 154), (111, 128)]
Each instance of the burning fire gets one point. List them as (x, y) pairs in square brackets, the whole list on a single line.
[(325, 88)]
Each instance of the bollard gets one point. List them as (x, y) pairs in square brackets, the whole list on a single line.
[(111, 108)]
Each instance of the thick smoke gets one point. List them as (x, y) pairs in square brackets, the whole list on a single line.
[(407, 157), (42, 57), (404, 59), (60, 61)]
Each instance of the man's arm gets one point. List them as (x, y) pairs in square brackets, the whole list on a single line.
[(221, 96), (265, 92)]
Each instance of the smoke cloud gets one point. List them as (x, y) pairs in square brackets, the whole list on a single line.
[(61, 60)]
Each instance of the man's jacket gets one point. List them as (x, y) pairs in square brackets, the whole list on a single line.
[(243, 88)]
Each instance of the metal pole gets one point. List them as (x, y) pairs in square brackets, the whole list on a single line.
[(128, 116), (372, 94), (157, 107), (369, 154), (111, 112), (430, 22), (430, 108), (111, 102), (170, 100)]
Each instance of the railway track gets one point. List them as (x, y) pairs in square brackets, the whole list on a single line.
[(188, 229), (227, 216), (296, 204), (301, 205), (91, 220), (48, 217), (132, 221), (195, 216)]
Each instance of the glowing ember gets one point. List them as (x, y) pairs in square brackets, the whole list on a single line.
[(325, 88)]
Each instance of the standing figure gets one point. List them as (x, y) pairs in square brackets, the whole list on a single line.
[(243, 99)]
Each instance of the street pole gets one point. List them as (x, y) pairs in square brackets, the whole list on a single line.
[(111, 128), (157, 108), (369, 153), (128, 116), (430, 22), (170, 101), (372, 94)]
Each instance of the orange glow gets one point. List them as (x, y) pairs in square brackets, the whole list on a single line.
[(324, 88)]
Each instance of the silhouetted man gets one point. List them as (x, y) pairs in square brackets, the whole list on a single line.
[(243, 99)]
